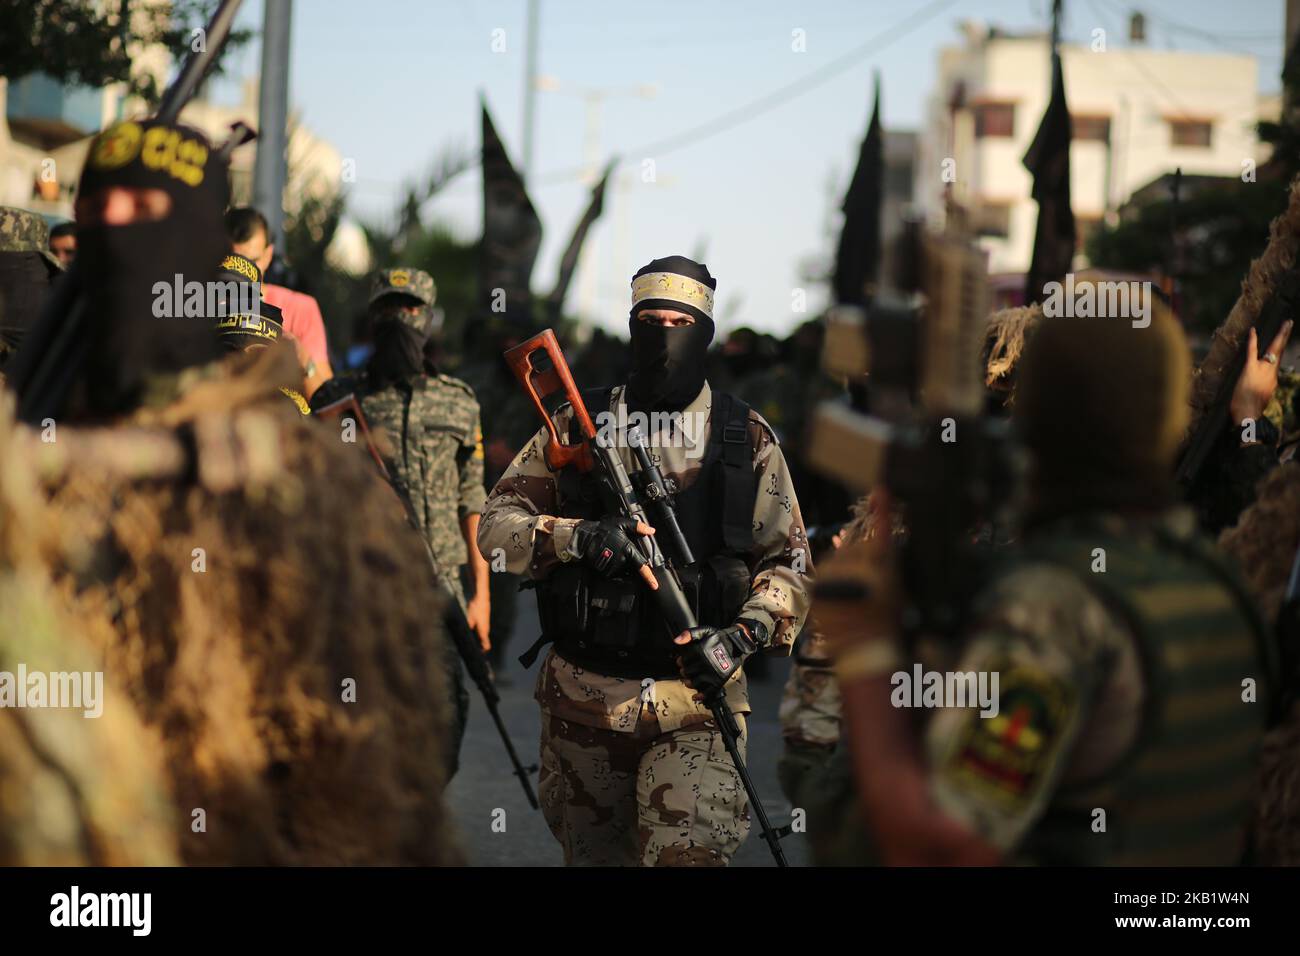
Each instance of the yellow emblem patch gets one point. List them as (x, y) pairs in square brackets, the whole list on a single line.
[(1008, 756), (399, 277), (116, 146), (241, 265), (297, 398), (165, 149)]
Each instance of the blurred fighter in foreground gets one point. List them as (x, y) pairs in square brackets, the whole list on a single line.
[(1133, 676)]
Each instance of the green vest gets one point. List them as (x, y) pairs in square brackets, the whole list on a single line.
[(1183, 793)]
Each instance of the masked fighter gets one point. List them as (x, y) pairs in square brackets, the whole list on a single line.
[(633, 770)]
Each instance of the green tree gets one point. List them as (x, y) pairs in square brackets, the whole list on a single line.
[(411, 242), (89, 42), (1220, 231)]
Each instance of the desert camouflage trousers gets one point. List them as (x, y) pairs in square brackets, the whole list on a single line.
[(642, 799)]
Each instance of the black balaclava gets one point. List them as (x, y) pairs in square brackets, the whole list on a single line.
[(399, 339), (119, 266), (668, 364), (25, 281)]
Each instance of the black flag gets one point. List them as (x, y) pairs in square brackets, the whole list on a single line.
[(512, 233), (570, 261), (1048, 159), (857, 260)]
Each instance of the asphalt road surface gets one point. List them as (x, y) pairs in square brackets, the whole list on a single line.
[(486, 784)]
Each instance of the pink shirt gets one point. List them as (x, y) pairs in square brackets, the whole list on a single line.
[(302, 320)]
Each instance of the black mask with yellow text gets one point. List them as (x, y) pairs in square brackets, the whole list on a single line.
[(123, 268)]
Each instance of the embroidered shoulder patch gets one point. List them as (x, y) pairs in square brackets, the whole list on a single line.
[(1007, 756)]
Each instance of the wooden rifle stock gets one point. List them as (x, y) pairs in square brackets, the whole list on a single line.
[(542, 382)]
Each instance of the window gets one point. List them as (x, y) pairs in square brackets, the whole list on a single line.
[(1190, 133), (995, 119), (993, 219), (1094, 128), (898, 180)]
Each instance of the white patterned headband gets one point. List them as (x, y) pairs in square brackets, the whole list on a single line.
[(674, 288)]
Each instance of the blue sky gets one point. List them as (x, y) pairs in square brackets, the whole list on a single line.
[(391, 83)]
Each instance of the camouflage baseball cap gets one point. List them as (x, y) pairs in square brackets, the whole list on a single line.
[(413, 282), (23, 231)]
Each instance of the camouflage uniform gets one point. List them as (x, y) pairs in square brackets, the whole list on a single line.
[(24, 240), (810, 713), (434, 451), (428, 431), (508, 419), (632, 771), (23, 231), (1119, 691)]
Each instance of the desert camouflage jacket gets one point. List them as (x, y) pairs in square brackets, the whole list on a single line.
[(521, 533)]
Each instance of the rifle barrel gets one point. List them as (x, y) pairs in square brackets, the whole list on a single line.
[(198, 62)]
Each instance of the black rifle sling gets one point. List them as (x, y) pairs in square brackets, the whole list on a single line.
[(737, 473)]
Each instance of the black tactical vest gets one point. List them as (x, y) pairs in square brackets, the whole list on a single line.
[(611, 625)]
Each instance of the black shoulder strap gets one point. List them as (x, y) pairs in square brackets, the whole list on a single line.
[(737, 472)]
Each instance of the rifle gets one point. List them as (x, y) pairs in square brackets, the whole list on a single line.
[(924, 436), (596, 453), (466, 641), (1269, 295)]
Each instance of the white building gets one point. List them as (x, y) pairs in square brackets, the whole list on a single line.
[(314, 167), (1138, 113), (46, 127)]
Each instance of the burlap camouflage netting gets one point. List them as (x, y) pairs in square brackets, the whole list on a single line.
[(311, 578), (1264, 540), (1264, 543), (1004, 342), (73, 791)]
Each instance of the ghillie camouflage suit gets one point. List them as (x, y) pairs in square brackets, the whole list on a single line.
[(74, 790), (1264, 544), (269, 613)]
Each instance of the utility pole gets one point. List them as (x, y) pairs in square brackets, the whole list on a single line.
[(1289, 44), (270, 169), (594, 98), (530, 87)]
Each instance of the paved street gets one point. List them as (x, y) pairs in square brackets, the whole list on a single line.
[(485, 782)]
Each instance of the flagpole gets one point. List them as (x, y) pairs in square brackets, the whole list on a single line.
[(530, 89), (270, 164)]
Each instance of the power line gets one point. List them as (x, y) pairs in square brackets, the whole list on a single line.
[(1252, 104), (1217, 37), (754, 108), (1136, 63), (763, 104)]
